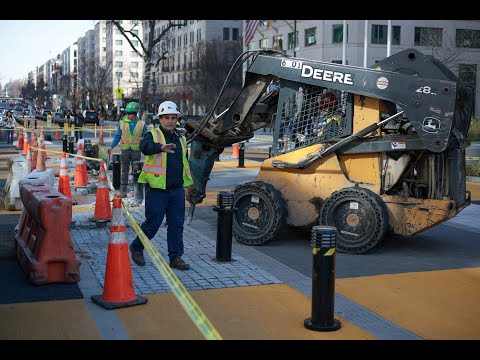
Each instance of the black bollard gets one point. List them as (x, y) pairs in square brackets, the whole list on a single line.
[(241, 155), (224, 225), (137, 187), (65, 143), (116, 171), (71, 144), (323, 280), (269, 152)]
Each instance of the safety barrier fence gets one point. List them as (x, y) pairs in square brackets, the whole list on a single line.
[(187, 302)]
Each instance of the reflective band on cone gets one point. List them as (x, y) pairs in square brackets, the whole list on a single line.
[(118, 284)]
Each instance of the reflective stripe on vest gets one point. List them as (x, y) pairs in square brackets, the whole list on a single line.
[(156, 164), (131, 140)]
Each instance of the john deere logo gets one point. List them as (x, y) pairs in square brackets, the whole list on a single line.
[(431, 125)]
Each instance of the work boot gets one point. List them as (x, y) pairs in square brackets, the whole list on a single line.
[(137, 256), (179, 264)]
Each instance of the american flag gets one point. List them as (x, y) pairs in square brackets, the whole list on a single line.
[(250, 28)]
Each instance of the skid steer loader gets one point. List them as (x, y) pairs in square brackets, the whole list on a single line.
[(369, 151)]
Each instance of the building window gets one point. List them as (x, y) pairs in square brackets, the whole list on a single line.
[(118, 32), (310, 36), (118, 74), (118, 42), (379, 34), (104, 48), (118, 63), (251, 45), (235, 34), (277, 42), (428, 36), (135, 42), (229, 56), (292, 40), (199, 35), (118, 53), (185, 40), (135, 75), (134, 64), (467, 39), (192, 37), (104, 40), (263, 43), (134, 31), (226, 34), (133, 54), (337, 33), (467, 73), (134, 22), (178, 78)]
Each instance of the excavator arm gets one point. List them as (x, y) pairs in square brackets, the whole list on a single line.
[(437, 106)]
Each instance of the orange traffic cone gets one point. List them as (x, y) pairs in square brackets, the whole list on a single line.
[(20, 141), (40, 164), (64, 180), (41, 144), (103, 210), (30, 166), (100, 140), (33, 144), (57, 134), (25, 142), (118, 284), (235, 151), (81, 176)]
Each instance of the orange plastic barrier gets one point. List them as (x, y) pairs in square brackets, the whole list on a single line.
[(44, 245)]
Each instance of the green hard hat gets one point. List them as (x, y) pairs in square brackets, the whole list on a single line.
[(132, 107)]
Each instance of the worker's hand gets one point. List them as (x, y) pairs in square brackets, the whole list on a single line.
[(168, 148), (188, 189), (109, 151)]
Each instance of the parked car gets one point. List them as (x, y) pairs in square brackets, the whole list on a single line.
[(58, 118), (92, 117)]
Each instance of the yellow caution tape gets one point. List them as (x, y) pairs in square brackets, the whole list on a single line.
[(187, 302)]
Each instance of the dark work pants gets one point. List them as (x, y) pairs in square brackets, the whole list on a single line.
[(158, 204), (127, 159)]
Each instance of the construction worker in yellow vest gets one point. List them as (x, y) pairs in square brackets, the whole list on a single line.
[(129, 133), (166, 175)]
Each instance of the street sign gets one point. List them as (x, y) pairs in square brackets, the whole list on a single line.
[(119, 92)]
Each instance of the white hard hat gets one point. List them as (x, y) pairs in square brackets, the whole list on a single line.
[(168, 107)]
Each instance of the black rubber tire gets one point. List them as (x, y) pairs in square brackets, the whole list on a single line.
[(360, 216), (258, 220)]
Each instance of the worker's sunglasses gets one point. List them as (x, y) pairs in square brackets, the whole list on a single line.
[(131, 113)]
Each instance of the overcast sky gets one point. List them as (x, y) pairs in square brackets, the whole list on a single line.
[(26, 44)]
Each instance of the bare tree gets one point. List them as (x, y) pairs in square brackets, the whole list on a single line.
[(150, 51), (215, 61), (96, 82)]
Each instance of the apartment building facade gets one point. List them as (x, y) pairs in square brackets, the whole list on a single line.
[(126, 65), (182, 46), (454, 42)]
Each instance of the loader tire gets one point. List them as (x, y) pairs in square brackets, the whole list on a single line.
[(360, 216), (261, 212)]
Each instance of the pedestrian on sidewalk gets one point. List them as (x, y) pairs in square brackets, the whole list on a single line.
[(79, 122), (166, 173), (10, 126), (129, 133)]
